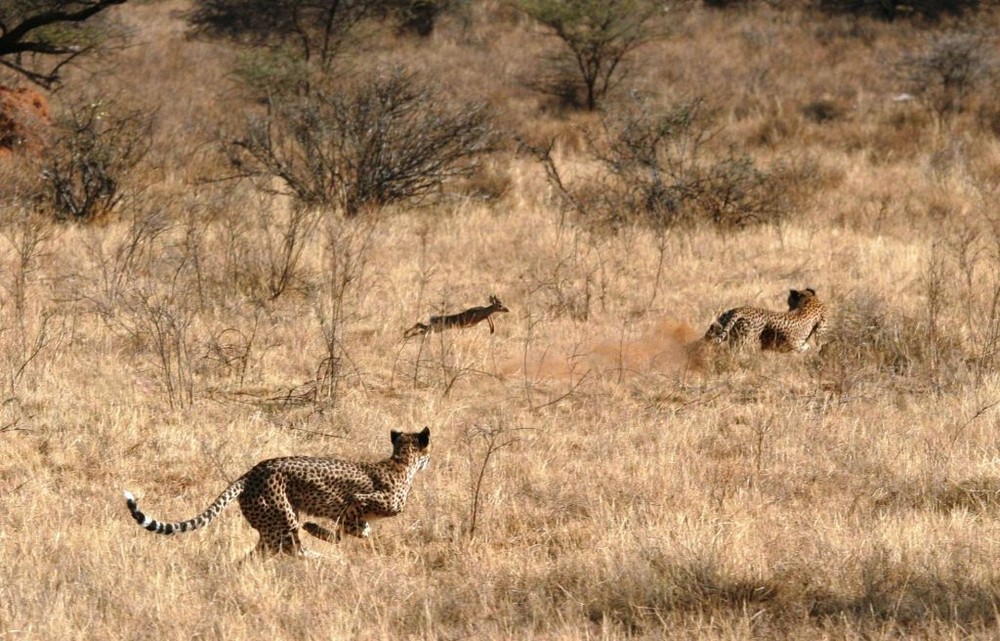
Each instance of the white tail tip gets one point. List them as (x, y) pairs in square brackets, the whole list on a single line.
[(129, 496)]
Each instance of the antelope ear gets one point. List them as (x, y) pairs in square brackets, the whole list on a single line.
[(394, 435), (424, 438)]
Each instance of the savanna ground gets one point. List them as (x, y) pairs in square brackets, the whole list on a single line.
[(587, 479)]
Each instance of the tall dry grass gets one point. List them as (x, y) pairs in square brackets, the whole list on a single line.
[(587, 479)]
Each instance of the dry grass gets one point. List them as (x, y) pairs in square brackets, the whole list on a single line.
[(627, 490)]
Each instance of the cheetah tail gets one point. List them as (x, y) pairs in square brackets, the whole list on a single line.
[(201, 520)]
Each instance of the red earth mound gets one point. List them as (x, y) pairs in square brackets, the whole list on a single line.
[(24, 119)]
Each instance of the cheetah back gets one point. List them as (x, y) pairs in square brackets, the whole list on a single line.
[(309, 484), (781, 331)]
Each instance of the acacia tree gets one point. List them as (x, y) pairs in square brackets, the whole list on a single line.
[(39, 37), (310, 31), (294, 42), (598, 35)]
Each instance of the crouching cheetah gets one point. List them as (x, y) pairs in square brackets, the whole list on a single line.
[(275, 492), (781, 331)]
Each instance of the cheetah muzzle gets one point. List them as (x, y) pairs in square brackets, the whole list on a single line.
[(275, 492)]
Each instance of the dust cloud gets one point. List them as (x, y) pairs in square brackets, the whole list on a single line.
[(668, 348)]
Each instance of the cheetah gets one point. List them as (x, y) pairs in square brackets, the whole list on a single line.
[(274, 493), (788, 331)]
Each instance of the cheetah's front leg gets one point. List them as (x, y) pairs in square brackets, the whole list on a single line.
[(349, 521), (353, 521), (360, 508)]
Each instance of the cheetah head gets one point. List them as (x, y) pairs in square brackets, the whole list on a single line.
[(716, 333), (796, 297), (411, 447)]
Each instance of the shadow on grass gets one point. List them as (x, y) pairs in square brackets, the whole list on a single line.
[(979, 494), (886, 593)]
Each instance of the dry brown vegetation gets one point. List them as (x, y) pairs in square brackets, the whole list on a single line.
[(588, 479)]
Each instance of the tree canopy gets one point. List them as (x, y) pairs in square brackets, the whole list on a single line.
[(39, 37), (598, 34)]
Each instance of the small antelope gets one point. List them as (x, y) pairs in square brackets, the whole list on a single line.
[(468, 318)]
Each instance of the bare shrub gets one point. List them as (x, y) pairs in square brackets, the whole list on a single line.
[(347, 246), (144, 286), (33, 346), (87, 168), (571, 282), (488, 439), (33, 327), (28, 235), (230, 349), (161, 322), (245, 247), (963, 290), (947, 69), (871, 341), (384, 140), (118, 260), (667, 168), (272, 246), (951, 340)]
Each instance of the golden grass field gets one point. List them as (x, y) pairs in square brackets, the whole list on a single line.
[(620, 488)]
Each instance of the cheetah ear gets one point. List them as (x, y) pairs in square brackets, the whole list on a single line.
[(794, 292), (424, 438), (394, 435), (811, 290)]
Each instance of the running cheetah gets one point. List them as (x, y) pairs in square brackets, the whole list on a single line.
[(781, 331), (275, 492)]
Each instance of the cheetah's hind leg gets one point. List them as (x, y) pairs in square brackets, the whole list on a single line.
[(265, 550), (360, 529), (321, 532), (279, 542)]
